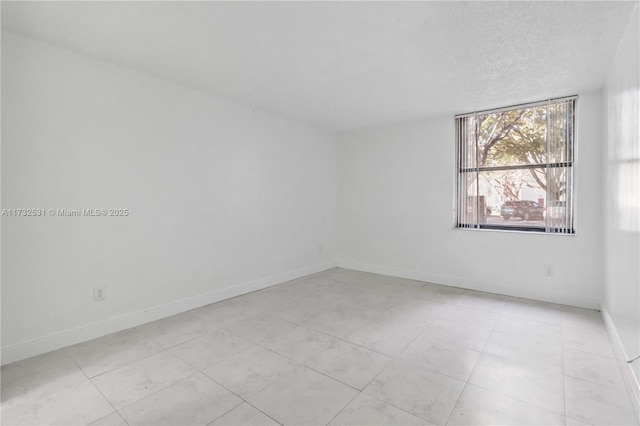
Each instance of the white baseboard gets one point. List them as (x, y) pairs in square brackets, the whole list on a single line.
[(528, 293), (27, 349), (630, 380)]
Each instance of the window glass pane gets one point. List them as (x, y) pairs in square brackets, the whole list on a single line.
[(514, 137), (467, 136), (468, 211), (560, 132), (515, 168), (559, 212), (514, 198)]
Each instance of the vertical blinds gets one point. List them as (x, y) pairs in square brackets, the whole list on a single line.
[(515, 167)]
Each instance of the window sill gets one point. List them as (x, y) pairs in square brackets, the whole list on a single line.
[(504, 229)]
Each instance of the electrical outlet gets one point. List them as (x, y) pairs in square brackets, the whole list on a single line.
[(99, 294), (320, 250), (548, 270)]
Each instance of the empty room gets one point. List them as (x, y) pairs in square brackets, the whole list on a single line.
[(312, 213)]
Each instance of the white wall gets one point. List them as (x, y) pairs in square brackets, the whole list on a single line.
[(622, 194), (219, 195), (395, 201)]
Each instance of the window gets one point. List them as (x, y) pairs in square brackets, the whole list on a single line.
[(515, 168)]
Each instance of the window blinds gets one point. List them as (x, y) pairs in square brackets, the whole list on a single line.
[(517, 163)]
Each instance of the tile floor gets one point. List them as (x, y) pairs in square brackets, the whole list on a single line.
[(341, 348)]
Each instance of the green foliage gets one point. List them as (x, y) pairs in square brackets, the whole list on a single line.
[(513, 137), (518, 137)]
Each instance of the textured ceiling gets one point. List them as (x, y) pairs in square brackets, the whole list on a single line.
[(346, 65)]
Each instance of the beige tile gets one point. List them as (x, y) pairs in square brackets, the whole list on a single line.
[(250, 371), (114, 419), (336, 323), (213, 347), (76, 404), (598, 404), (36, 377), (587, 339), (298, 343), (298, 293), (367, 410), (380, 338), (582, 318), (478, 406), (484, 301), (245, 415), (224, 313), (522, 375), (540, 385), (591, 367), (356, 304), (110, 352), (264, 302), (260, 327), (348, 363), (195, 400), (427, 306), (372, 300), (470, 335), (424, 393), (526, 348), (468, 314), (400, 282), (440, 293), (413, 319), (573, 422), (325, 299), (445, 358), (514, 325), (137, 380), (534, 310), (300, 312), (177, 329), (303, 397)]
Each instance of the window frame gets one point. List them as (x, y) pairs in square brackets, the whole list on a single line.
[(570, 164)]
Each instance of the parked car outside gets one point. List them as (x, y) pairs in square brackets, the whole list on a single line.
[(525, 209)]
